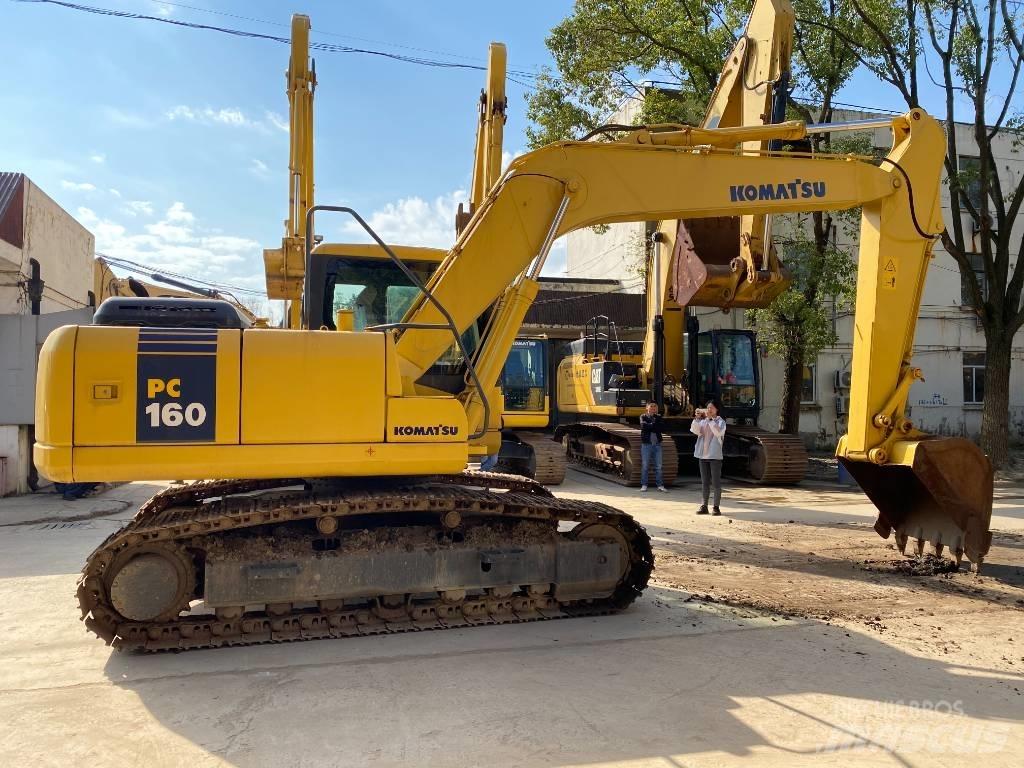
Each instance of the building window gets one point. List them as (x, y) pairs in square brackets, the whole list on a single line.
[(807, 389), (970, 178), (974, 378), (978, 266)]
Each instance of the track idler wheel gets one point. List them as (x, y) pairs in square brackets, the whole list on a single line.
[(150, 583)]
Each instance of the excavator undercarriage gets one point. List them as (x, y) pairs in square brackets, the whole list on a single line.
[(238, 562)]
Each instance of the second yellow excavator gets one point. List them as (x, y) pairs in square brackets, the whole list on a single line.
[(727, 262), (332, 497)]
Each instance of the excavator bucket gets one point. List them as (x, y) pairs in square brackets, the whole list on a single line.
[(940, 492), (707, 270)]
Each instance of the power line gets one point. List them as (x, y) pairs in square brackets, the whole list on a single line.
[(314, 45), (130, 266), (323, 32)]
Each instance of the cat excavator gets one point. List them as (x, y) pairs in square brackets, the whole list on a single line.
[(331, 496), (728, 262)]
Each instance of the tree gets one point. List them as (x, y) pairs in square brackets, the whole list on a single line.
[(798, 325), (607, 48), (973, 53)]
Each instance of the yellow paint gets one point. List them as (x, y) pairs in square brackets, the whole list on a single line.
[(105, 356), (425, 420), (158, 462), (55, 396), (312, 387)]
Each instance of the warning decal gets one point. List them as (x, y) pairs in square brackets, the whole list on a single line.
[(889, 275)]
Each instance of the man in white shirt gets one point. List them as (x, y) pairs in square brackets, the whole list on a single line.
[(709, 428)]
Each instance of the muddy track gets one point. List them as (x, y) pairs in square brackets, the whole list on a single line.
[(612, 451), (776, 459), (549, 457), (179, 524)]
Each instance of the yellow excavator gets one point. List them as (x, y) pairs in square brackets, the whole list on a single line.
[(604, 384), (332, 497), (344, 277)]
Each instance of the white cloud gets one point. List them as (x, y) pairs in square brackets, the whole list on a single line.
[(75, 186), (259, 169), (414, 221), (178, 212), (135, 207), (279, 122), (507, 157), (206, 115), (230, 116), (164, 10), (176, 243), (170, 233), (114, 192), (98, 157)]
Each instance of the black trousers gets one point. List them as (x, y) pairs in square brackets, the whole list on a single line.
[(711, 477)]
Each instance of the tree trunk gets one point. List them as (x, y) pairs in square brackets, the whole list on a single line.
[(792, 384), (995, 415)]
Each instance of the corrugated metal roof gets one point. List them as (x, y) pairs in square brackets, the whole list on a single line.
[(12, 204), (560, 309)]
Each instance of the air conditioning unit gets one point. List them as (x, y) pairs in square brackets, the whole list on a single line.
[(843, 379), (842, 405)]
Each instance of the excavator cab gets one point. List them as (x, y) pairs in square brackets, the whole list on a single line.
[(524, 380), (724, 367), (614, 367), (361, 285)]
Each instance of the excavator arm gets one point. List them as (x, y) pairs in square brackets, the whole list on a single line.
[(490, 132), (734, 263), (571, 185), (286, 266)]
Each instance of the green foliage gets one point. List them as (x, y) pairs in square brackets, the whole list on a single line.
[(606, 49), (609, 51), (798, 325)]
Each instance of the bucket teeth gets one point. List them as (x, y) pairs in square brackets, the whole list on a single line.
[(901, 542), (919, 547), (959, 555)]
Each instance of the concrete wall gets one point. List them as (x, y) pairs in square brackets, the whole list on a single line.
[(945, 329), (64, 250), (21, 337), (616, 253)]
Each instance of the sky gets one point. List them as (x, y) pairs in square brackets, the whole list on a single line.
[(170, 143)]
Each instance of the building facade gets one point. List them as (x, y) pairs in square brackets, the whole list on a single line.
[(949, 344), (46, 281)]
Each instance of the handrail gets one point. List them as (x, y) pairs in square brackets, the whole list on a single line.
[(307, 308)]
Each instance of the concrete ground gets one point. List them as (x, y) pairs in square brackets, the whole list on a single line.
[(784, 633)]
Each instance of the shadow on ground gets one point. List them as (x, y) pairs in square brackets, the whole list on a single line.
[(568, 692)]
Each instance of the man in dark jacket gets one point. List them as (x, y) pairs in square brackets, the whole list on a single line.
[(650, 445)]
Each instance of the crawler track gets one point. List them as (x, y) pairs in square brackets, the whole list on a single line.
[(549, 459), (179, 525), (612, 451), (775, 458)]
